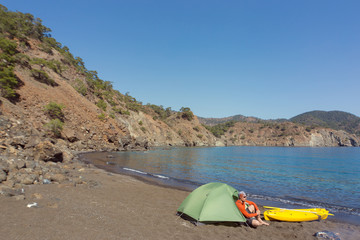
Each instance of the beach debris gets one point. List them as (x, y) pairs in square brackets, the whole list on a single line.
[(34, 204), (19, 197), (327, 235), (52, 205), (37, 196), (46, 181), (185, 225)]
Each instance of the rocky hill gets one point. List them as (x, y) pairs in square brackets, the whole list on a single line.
[(236, 118), (286, 134), (52, 107), (333, 119)]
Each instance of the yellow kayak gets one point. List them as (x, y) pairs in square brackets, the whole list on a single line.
[(296, 215)]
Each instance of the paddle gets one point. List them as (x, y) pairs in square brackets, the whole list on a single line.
[(299, 210)]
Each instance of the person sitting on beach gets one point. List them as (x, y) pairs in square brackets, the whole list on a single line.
[(250, 210)]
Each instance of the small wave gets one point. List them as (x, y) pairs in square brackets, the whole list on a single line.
[(145, 173), (133, 170), (160, 176)]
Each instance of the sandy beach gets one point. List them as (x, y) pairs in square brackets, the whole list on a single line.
[(113, 206)]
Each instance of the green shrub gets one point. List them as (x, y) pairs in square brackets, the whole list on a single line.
[(54, 65), (8, 46), (21, 26), (143, 129), (43, 77), (220, 129), (120, 111), (80, 87), (111, 102), (196, 128), (140, 123), (46, 48), (186, 113), (54, 111), (133, 106), (8, 82), (101, 104), (55, 126), (102, 116), (109, 97), (160, 111), (117, 110), (52, 43), (98, 93), (48, 43), (22, 59), (8, 79)]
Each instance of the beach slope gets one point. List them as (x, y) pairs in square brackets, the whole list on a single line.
[(113, 206)]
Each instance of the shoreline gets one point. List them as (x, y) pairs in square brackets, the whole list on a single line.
[(182, 187), (106, 163), (116, 206), (155, 182)]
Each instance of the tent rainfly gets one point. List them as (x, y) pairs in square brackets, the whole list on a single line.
[(212, 202)]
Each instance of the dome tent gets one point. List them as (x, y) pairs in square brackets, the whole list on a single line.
[(212, 202)]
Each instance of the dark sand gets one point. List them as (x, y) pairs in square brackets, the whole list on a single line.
[(112, 206)]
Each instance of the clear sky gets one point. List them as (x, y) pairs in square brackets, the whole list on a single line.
[(264, 58)]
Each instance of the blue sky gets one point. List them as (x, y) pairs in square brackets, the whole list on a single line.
[(268, 59)]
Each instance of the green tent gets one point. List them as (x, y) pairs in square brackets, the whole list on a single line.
[(212, 202)]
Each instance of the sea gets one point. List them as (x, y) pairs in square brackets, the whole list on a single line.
[(287, 177)]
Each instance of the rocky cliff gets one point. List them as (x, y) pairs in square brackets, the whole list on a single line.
[(287, 134)]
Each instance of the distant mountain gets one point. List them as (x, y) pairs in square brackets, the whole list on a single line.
[(236, 118), (337, 120)]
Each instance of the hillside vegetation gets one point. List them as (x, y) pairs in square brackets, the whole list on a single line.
[(236, 118), (333, 119)]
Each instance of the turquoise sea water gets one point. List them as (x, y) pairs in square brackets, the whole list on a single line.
[(276, 176)]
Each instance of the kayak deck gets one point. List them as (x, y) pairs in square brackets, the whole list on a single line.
[(296, 215)]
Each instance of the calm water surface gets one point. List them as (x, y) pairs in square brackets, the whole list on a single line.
[(276, 176)]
